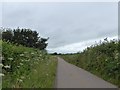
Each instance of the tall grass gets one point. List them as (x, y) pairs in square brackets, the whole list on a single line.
[(102, 59), (26, 67)]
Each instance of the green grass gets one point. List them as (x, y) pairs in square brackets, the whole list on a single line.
[(29, 67), (101, 59), (42, 76)]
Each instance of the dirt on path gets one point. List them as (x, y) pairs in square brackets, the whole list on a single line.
[(70, 76)]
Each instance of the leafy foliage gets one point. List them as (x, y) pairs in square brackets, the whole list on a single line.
[(25, 37), (24, 67), (102, 59)]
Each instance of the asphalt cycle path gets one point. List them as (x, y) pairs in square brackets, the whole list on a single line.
[(71, 76)]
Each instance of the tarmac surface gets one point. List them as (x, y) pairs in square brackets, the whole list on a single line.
[(71, 76)]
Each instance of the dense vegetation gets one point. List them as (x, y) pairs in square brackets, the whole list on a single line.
[(102, 59), (24, 60), (25, 37), (24, 67)]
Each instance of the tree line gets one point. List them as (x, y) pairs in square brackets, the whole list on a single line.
[(25, 37)]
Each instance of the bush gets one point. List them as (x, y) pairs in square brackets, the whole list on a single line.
[(102, 59)]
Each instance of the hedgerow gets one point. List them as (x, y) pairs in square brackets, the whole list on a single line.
[(102, 59)]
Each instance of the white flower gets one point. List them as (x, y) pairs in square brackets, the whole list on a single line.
[(1, 65), (1, 74), (21, 54), (20, 80), (22, 60), (10, 59), (117, 63), (106, 60), (27, 60), (32, 53), (21, 63), (18, 66), (25, 52), (7, 66), (2, 58), (96, 68)]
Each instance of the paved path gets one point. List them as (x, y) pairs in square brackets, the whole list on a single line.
[(70, 76)]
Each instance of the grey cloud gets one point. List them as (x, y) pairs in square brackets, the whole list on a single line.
[(64, 23)]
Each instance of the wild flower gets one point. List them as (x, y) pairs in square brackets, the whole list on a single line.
[(32, 53), (26, 60), (21, 64), (21, 54), (1, 65), (1, 74), (18, 66), (22, 60), (2, 58), (25, 52), (118, 63), (10, 59), (106, 60), (116, 55), (20, 80), (6, 66)]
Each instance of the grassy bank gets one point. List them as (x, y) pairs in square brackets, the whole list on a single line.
[(24, 67), (102, 59)]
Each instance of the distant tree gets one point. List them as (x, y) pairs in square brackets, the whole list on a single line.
[(25, 37), (59, 54), (41, 43), (1, 33), (55, 53)]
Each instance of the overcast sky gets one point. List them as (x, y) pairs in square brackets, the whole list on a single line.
[(70, 26)]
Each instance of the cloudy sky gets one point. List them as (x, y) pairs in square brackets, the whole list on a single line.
[(71, 26)]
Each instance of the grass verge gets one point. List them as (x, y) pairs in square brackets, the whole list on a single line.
[(24, 67)]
